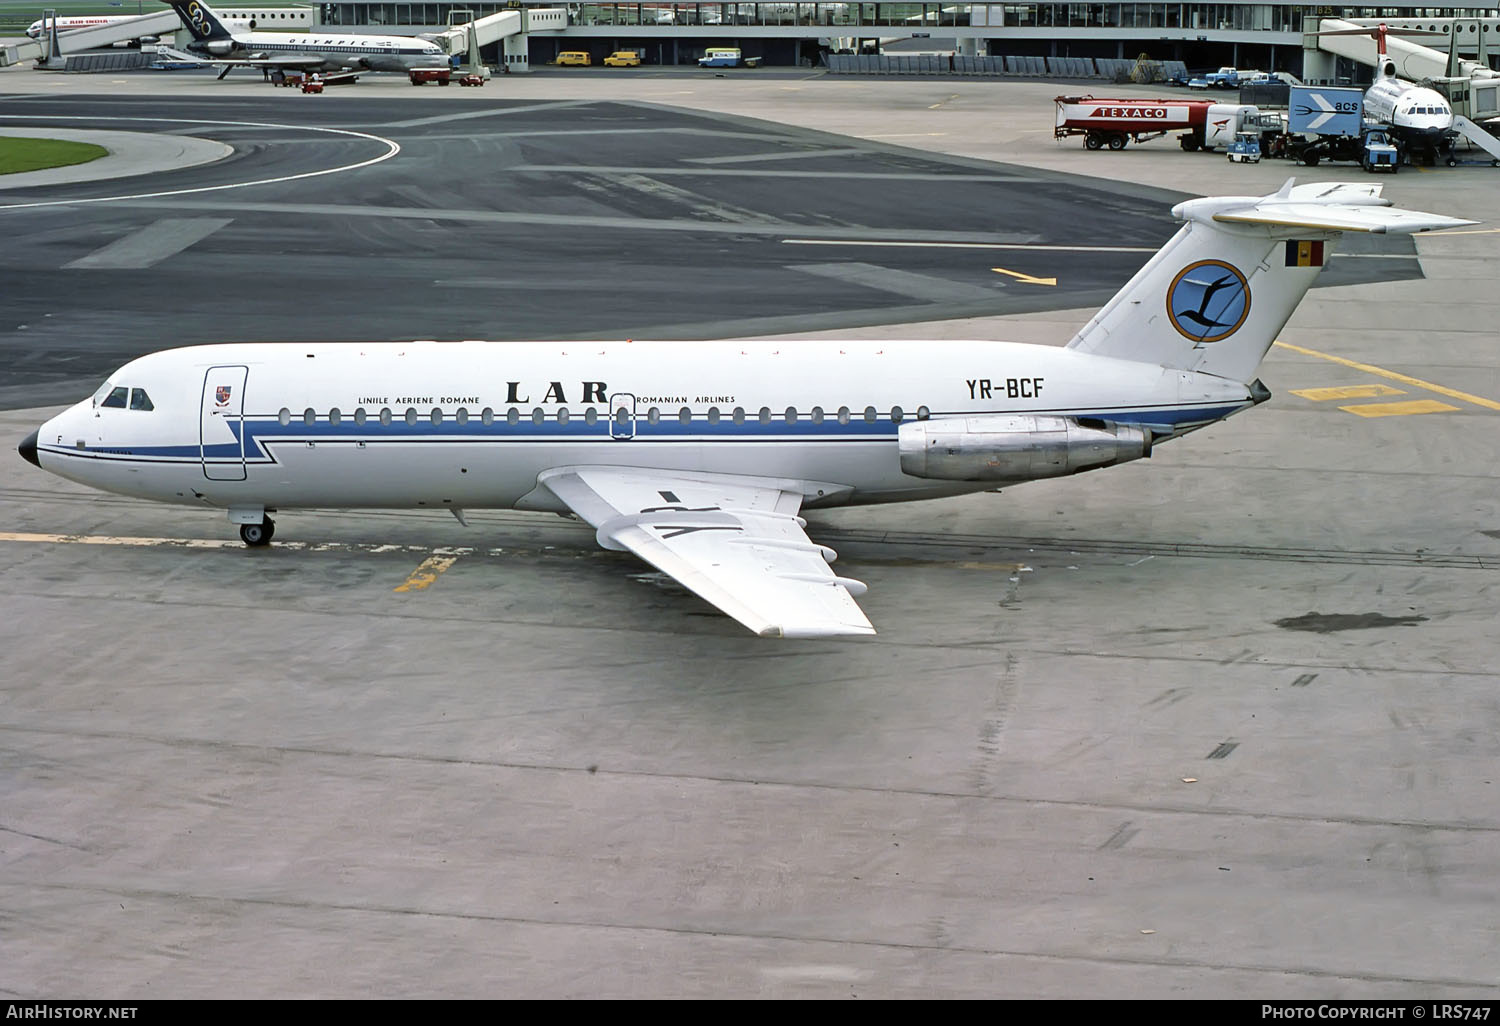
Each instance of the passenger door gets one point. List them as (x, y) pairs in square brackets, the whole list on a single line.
[(221, 424)]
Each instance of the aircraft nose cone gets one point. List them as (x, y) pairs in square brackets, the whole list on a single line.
[(28, 450)]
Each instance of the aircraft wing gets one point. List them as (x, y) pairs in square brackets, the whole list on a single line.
[(735, 541), (287, 61)]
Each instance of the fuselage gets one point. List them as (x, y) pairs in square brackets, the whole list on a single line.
[(472, 424), (375, 53), (1414, 113)]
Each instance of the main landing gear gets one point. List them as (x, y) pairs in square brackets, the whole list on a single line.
[(256, 526), (256, 535)]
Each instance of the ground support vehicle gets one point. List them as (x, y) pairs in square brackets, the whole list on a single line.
[(1380, 154), (1245, 149), (421, 76), (726, 57), (312, 85), (574, 58), (472, 79), (623, 59), (1112, 123)]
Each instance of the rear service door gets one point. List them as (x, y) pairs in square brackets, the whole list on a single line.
[(221, 424)]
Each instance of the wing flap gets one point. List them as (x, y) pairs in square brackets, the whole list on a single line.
[(735, 542)]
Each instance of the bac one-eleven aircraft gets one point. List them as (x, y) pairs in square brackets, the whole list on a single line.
[(697, 456)]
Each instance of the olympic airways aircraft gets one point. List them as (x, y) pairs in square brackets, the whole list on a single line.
[(697, 456), (310, 51)]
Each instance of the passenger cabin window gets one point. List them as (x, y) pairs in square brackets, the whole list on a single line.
[(139, 400), (116, 398)]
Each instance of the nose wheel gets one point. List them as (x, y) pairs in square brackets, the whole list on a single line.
[(256, 535)]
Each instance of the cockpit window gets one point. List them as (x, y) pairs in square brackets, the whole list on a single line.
[(116, 397), (139, 400)]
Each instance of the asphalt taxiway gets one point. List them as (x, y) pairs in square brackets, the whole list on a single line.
[(1217, 724)]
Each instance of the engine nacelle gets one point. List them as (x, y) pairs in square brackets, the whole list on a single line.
[(219, 47), (1016, 447)]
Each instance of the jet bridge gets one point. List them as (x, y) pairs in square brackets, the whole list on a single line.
[(1414, 61), (508, 27), (52, 49)]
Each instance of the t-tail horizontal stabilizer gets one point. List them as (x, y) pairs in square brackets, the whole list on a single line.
[(1215, 297)]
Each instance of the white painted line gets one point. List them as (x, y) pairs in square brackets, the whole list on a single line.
[(393, 148)]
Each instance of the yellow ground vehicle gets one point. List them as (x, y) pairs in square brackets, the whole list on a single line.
[(623, 59), (575, 57)]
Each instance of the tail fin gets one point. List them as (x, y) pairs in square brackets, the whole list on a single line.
[(200, 20), (1218, 293)]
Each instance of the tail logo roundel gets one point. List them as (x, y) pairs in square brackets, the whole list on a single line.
[(199, 18), (1208, 301)]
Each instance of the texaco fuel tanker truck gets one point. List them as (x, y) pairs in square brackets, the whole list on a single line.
[(1103, 122)]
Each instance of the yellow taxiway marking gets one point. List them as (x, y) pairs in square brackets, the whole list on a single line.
[(1405, 379), (1026, 278), (371, 548), (105, 539), (1319, 395), (1399, 409), (426, 575), (935, 106)]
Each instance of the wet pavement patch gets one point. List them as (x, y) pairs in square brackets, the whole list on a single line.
[(1328, 623)]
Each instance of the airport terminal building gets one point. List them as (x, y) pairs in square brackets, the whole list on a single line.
[(1268, 36)]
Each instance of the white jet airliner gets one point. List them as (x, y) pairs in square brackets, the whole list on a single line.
[(310, 51), (1419, 118), (697, 456)]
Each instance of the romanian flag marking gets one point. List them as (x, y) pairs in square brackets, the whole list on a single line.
[(1304, 253)]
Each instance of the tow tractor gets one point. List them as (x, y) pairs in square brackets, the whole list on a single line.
[(1245, 149), (1380, 153), (312, 84)]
